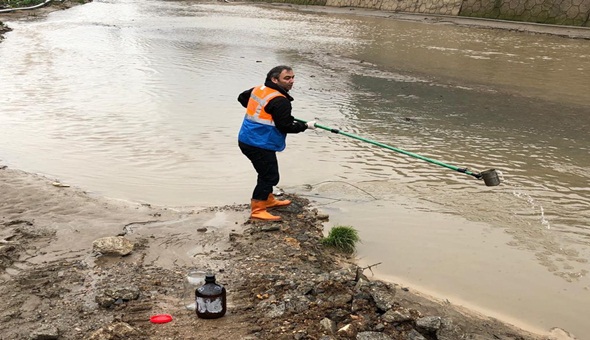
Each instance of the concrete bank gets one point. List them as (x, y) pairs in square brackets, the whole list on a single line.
[(574, 32), (555, 12)]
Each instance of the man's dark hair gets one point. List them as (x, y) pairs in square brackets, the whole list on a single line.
[(276, 71)]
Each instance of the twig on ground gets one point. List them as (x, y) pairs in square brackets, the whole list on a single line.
[(360, 270)]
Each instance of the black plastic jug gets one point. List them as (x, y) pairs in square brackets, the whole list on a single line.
[(210, 299)]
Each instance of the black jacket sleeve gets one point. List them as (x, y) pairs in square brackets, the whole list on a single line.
[(244, 97), (280, 110)]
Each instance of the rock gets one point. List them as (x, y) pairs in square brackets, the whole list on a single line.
[(300, 335), (328, 325), (31, 304), (372, 336), (339, 315), (339, 298), (292, 242), (362, 284), (429, 323), (360, 301), (448, 331), (270, 228), (397, 316), (111, 296), (343, 275), (383, 295), (119, 330), (558, 333), (323, 217), (276, 310), (45, 333), (414, 335), (104, 301), (348, 331), (124, 293), (306, 288), (113, 245), (297, 303)]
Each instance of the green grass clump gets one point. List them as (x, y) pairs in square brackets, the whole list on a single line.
[(343, 238)]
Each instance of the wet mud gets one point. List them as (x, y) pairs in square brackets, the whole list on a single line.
[(281, 282)]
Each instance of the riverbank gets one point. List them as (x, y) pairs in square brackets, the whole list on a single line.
[(31, 14), (282, 284), (572, 32)]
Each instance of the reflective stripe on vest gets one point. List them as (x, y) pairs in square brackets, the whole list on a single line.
[(260, 96)]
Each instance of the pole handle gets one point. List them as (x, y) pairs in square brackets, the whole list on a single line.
[(408, 153)]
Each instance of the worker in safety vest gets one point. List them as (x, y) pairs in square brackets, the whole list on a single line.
[(266, 124)]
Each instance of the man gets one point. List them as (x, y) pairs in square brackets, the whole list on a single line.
[(264, 130)]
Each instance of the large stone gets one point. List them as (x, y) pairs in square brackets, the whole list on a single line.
[(45, 333), (296, 303), (111, 296), (396, 316), (113, 245), (328, 325), (275, 310), (429, 323), (383, 295), (448, 331)]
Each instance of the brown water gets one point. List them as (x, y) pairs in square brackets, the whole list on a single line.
[(137, 100)]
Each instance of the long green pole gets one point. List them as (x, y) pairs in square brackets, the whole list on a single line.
[(411, 154)]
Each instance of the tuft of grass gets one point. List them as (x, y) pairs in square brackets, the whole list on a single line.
[(343, 238)]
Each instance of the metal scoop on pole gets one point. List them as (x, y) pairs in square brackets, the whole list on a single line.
[(490, 177)]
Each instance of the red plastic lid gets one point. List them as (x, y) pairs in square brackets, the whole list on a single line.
[(161, 318)]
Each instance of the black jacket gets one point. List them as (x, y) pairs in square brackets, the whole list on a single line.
[(279, 108)]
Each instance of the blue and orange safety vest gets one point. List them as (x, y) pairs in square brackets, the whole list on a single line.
[(258, 128)]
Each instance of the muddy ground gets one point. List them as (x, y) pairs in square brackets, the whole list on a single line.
[(281, 283)]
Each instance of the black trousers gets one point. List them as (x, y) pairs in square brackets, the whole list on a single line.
[(266, 165)]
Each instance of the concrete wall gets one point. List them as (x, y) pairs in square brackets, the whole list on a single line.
[(559, 12), (447, 7)]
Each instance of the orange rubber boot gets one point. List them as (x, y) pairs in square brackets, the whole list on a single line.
[(271, 202), (259, 212)]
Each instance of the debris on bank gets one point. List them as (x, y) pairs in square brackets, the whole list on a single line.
[(281, 282)]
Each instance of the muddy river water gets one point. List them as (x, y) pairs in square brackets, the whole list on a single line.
[(136, 100)]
